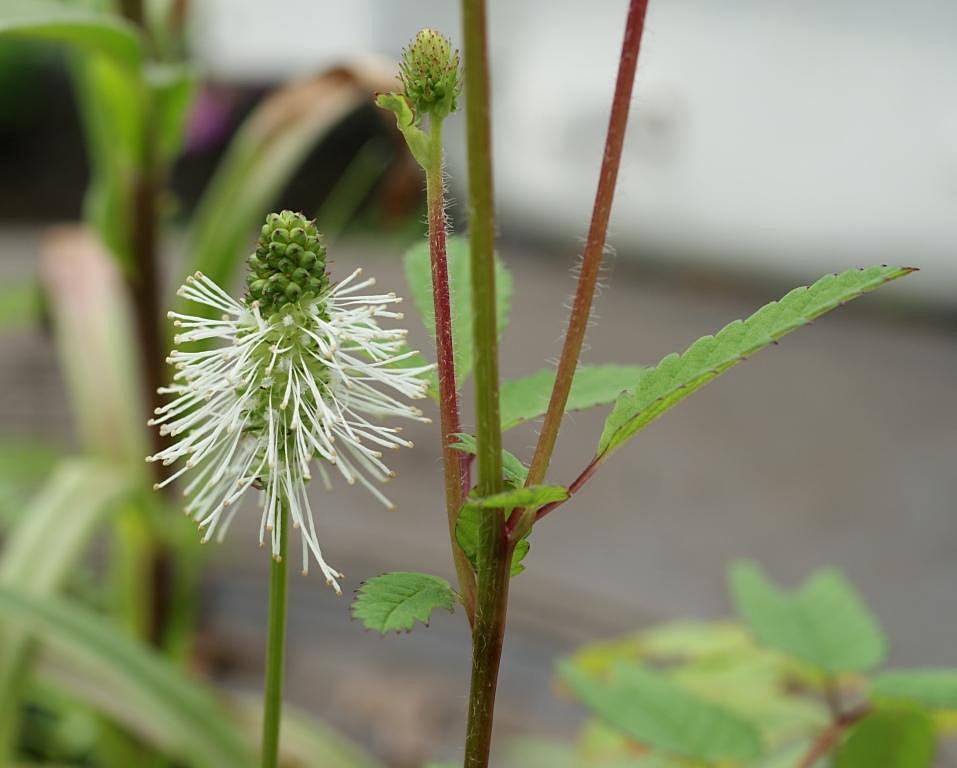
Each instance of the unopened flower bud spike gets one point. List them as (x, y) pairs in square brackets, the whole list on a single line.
[(431, 83)]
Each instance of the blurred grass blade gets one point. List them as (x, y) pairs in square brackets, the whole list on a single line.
[(89, 32), (93, 322), (94, 660), (55, 527), (24, 464), (678, 375), (172, 87), (40, 551), (107, 73), (304, 741), (264, 155), (111, 103)]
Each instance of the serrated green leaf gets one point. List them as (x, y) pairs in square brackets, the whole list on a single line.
[(183, 717), (393, 602), (889, 739), (824, 623), (677, 376), (418, 275), (467, 525), (467, 537), (527, 398), (512, 468), (531, 496), (88, 32), (416, 140), (662, 715), (934, 688)]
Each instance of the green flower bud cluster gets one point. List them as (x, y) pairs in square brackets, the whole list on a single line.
[(429, 72), (289, 263)]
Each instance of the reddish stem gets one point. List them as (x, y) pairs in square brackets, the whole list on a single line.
[(453, 461), (595, 244)]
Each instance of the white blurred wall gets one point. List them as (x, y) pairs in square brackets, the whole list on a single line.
[(768, 135)]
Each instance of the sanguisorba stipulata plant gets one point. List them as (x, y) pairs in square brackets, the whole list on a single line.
[(490, 520), (300, 377)]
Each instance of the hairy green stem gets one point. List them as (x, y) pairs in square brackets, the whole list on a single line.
[(494, 549), (275, 646), (594, 245), (452, 459)]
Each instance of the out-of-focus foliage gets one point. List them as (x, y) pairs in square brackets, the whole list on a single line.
[(691, 694), (92, 690)]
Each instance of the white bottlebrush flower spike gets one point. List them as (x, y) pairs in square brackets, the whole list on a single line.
[(303, 371)]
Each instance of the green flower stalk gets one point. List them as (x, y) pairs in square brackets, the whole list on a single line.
[(429, 74), (301, 379)]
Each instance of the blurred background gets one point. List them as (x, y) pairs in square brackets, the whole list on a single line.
[(770, 142)]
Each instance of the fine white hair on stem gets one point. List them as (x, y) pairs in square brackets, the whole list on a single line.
[(307, 387)]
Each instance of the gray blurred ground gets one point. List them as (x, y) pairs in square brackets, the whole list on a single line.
[(836, 448)]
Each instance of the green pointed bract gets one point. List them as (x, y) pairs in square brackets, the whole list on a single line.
[(289, 264), (430, 75)]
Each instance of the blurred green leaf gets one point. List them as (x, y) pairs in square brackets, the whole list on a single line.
[(661, 714), (527, 398), (720, 662), (529, 753), (89, 32), (418, 275), (677, 376), (128, 682), (20, 305), (889, 739), (267, 150), (515, 472), (393, 602), (934, 688), (41, 550), (824, 623)]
